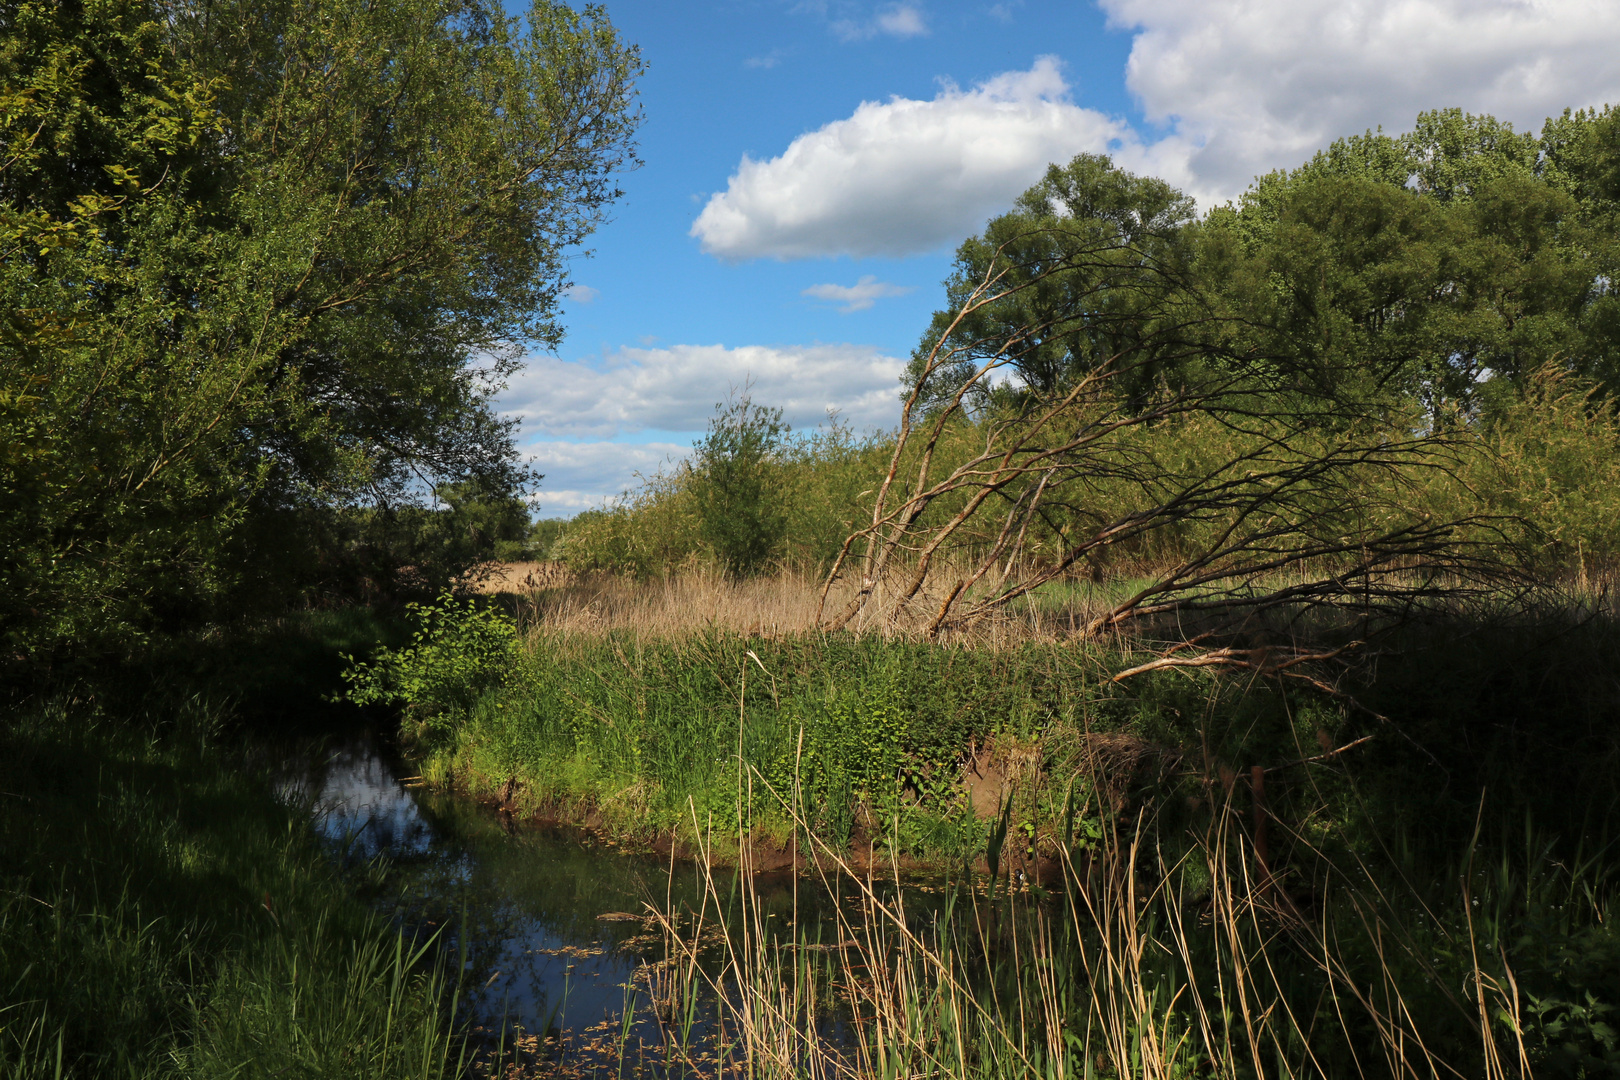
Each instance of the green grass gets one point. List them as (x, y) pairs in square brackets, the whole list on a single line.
[(636, 732), (641, 734), (1423, 885), (163, 914)]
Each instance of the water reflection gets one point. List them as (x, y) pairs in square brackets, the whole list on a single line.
[(553, 927)]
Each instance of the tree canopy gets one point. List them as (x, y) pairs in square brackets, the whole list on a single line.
[(268, 258), (1433, 263), (1255, 394)]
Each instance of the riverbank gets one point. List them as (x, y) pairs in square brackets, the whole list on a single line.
[(164, 913), (1419, 867), (913, 749)]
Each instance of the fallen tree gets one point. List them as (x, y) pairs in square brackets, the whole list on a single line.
[(1134, 379)]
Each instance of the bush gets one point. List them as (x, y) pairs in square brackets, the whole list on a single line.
[(461, 650), (737, 470)]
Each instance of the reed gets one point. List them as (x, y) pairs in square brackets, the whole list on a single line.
[(1134, 960), (701, 598)]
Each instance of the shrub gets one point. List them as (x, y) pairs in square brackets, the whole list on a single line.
[(737, 469), (461, 650)]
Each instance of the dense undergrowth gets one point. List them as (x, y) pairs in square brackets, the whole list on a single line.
[(163, 913), (1251, 877)]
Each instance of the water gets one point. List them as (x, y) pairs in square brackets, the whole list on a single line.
[(556, 928)]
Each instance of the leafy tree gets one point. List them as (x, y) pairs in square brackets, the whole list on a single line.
[(264, 259), (740, 516), (1089, 237), (1451, 263), (1133, 378)]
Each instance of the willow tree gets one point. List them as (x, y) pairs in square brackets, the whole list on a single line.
[(1111, 376), (262, 256)]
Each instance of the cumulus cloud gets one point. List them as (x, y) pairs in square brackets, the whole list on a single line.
[(581, 294), (675, 388), (905, 176), (1252, 85), (859, 296), (1237, 88), (572, 410)]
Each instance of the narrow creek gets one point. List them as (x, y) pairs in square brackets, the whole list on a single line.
[(554, 926)]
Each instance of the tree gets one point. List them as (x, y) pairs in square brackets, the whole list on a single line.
[(1126, 377), (740, 516), (266, 257), (1456, 260)]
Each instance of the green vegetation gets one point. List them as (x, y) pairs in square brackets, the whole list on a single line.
[(1393, 361), (163, 913), (1421, 881), (263, 266), (1225, 614), (816, 479), (232, 322)]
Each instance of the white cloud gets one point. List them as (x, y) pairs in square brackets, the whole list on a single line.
[(579, 476), (899, 20), (765, 62), (1252, 85), (675, 388), (902, 20), (581, 294), (859, 296), (1239, 87), (905, 176)]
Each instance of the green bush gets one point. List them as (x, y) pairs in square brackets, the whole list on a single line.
[(462, 649), (737, 468)]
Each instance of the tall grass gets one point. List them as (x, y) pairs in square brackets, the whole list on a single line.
[(162, 914), (1180, 875), (703, 598), (1150, 959)]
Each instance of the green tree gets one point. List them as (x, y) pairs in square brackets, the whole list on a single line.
[(1451, 263), (264, 259), (1088, 237), (740, 512), (1240, 400)]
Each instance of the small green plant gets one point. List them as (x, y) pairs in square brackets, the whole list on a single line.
[(461, 650)]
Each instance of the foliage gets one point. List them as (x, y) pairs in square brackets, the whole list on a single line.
[(631, 729), (796, 504), (1455, 258), (537, 544), (382, 552), (1354, 349), (462, 649), (650, 530), (1208, 869), (264, 259), (1090, 333), (736, 477)]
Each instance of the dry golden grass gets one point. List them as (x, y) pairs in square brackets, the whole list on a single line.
[(702, 598), (522, 577), (693, 601)]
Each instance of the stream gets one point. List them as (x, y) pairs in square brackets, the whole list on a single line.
[(554, 926)]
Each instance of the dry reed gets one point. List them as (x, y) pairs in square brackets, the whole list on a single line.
[(702, 598)]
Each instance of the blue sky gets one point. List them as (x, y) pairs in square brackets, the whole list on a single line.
[(809, 167)]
